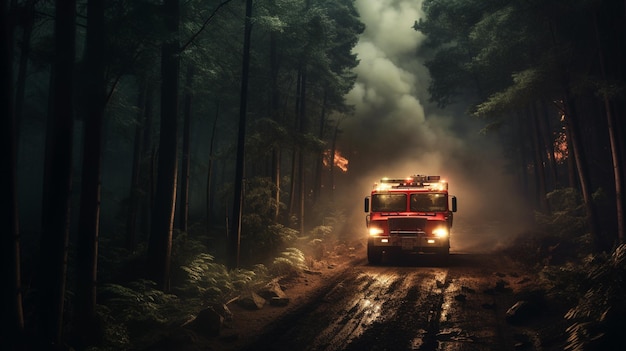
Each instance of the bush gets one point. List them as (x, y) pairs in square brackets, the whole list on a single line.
[(290, 262), (598, 316)]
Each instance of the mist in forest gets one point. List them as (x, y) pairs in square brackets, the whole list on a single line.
[(396, 132)]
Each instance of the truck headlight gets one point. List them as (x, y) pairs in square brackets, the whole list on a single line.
[(440, 232), (376, 231)]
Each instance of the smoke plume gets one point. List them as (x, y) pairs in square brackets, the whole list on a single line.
[(396, 132)]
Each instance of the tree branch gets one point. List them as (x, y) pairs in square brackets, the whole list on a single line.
[(206, 22)]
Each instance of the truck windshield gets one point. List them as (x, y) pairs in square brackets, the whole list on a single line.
[(389, 202), (429, 202)]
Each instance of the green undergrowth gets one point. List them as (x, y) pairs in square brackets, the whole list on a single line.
[(586, 285), (134, 311)]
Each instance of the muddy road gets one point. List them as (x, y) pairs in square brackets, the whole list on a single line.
[(412, 304)]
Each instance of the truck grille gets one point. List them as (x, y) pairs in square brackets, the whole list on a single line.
[(407, 226)]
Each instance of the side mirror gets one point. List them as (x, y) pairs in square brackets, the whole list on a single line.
[(367, 204), (453, 203)]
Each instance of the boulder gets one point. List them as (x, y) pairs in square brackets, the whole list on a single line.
[(251, 301), (208, 322), (274, 293)]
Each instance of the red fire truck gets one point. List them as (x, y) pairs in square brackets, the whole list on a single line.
[(409, 215)]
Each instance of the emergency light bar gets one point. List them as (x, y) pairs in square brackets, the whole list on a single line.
[(416, 180)]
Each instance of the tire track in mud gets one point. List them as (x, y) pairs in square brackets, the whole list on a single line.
[(376, 308), (404, 308), (414, 321)]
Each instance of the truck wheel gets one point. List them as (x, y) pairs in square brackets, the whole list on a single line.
[(444, 254), (374, 254)]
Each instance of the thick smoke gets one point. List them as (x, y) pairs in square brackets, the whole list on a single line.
[(396, 132)]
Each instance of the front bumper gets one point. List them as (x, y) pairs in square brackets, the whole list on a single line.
[(426, 244)]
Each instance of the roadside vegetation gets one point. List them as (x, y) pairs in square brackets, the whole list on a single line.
[(133, 312), (584, 287)]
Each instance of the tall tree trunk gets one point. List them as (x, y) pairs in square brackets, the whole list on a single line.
[(319, 164), (575, 144), (89, 220), (618, 169), (135, 191), (235, 234), (297, 150), (11, 312), (57, 183), (331, 162), (538, 151), (28, 11), (209, 176), (147, 164), (520, 138), (185, 167), (572, 176), (301, 156), (548, 141), (274, 98), (276, 164), (571, 118), (160, 243), (292, 183)]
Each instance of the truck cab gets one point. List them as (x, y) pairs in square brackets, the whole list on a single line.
[(409, 215)]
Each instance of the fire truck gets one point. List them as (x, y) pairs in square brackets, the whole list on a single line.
[(409, 215)]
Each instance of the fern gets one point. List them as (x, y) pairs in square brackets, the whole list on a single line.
[(321, 231), (291, 261), (597, 318), (139, 302), (213, 282)]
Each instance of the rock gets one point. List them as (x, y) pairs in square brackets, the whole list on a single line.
[(207, 322), (271, 290), (223, 311), (279, 301), (251, 301), (274, 293)]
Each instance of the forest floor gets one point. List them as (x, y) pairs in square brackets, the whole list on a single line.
[(246, 325)]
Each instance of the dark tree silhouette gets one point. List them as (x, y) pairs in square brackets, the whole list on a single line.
[(89, 216), (186, 159), (160, 244), (235, 234), (51, 278), (11, 310)]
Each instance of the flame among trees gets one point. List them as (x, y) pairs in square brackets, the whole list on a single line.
[(339, 161)]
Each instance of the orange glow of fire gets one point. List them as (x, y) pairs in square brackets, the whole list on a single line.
[(561, 151), (560, 147), (340, 161)]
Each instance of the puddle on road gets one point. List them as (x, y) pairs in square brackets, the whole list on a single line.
[(362, 310), (454, 334)]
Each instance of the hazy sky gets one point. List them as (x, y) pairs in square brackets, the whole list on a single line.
[(396, 132)]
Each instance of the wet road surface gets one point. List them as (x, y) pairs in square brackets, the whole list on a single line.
[(412, 304)]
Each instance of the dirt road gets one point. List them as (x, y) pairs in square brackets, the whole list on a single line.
[(411, 305)]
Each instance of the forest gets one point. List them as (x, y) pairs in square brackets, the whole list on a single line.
[(165, 151)]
